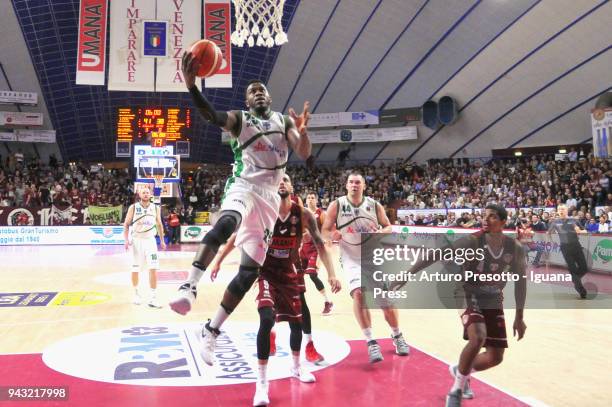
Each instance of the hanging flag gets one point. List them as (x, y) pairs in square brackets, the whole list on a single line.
[(128, 70), (184, 28), (217, 28), (91, 54), (154, 39)]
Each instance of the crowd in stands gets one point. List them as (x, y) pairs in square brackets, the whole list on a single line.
[(583, 184), (29, 182)]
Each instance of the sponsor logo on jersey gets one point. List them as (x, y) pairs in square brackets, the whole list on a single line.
[(261, 147)]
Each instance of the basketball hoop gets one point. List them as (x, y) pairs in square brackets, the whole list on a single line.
[(259, 23), (158, 179)]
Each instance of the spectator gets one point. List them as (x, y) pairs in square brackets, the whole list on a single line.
[(592, 226), (174, 227), (604, 225)]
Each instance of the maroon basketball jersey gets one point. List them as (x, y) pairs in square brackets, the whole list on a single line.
[(493, 263), (286, 239)]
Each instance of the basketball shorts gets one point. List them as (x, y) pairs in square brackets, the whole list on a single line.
[(259, 210), (145, 254), (495, 325), (283, 297), (352, 270), (308, 258)]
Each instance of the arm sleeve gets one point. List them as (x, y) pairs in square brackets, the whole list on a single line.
[(207, 109)]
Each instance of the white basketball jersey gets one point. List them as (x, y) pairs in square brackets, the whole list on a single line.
[(144, 221), (351, 221), (261, 150)]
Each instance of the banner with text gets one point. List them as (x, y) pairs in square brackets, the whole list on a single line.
[(217, 28), (35, 136), (22, 98), (194, 233), (343, 119), (21, 119), (105, 215), (128, 70), (39, 216), (363, 135), (183, 17), (6, 136), (91, 50), (60, 235)]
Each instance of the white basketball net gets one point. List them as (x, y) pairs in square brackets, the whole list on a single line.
[(259, 22)]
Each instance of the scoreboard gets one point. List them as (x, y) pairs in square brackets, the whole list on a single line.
[(161, 124)]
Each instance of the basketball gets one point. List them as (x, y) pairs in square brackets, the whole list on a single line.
[(209, 56)]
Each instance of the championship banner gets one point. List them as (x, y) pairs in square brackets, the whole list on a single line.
[(183, 17), (91, 54), (363, 135), (128, 70), (21, 119), (22, 98), (105, 215), (601, 122), (217, 28)]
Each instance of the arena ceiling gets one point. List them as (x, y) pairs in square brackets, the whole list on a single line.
[(524, 72)]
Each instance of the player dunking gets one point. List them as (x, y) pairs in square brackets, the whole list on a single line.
[(309, 255), (260, 142), (348, 217), (281, 289), (145, 221), (483, 318)]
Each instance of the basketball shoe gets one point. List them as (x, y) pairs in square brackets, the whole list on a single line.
[(302, 375), (311, 353), (208, 341), (187, 294), (327, 308), (374, 352), (453, 398), (401, 347), (153, 303), (136, 300), (261, 394), (467, 389)]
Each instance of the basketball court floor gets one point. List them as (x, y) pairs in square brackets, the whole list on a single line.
[(67, 320)]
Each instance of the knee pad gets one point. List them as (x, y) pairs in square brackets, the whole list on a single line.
[(266, 318), (242, 282), (222, 230)]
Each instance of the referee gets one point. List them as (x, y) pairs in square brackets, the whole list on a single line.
[(568, 230)]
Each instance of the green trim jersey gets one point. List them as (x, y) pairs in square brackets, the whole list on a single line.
[(352, 220), (260, 150), (144, 221)]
